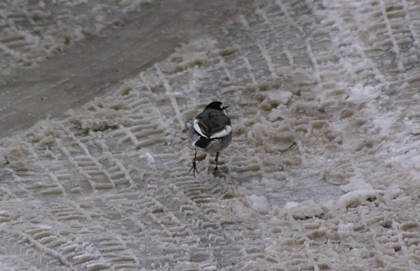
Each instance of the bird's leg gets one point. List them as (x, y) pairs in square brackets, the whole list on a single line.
[(194, 165), (217, 159)]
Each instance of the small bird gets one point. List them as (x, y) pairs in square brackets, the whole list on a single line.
[(211, 131)]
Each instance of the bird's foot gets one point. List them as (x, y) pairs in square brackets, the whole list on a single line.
[(194, 168)]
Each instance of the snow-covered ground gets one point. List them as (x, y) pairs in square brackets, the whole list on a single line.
[(322, 172)]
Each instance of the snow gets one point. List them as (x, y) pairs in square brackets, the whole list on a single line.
[(356, 198), (302, 211), (259, 203), (322, 172)]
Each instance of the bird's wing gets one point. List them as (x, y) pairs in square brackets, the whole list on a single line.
[(210, 124), (197, 128), (222, 133)]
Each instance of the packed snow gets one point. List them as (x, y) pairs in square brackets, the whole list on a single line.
[(322, 172)]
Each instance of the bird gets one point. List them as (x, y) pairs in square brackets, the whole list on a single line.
[(211, 131)]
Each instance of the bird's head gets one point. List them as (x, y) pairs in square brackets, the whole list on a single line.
[(216, 106)]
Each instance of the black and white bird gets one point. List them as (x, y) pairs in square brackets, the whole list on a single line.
[(211, 131)]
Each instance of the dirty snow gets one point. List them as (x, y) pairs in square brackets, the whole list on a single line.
[(322, 173)]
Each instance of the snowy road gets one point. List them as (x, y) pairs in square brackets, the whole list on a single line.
[(322, 172)]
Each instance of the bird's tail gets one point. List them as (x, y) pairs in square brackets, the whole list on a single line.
[(202, 142)]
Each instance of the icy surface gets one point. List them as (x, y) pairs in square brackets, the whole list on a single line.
[(322, 173), (31, 31)]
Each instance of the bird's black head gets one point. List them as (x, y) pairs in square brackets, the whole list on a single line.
[(216, 106)]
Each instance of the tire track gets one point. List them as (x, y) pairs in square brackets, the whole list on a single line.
[(110, 188)]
